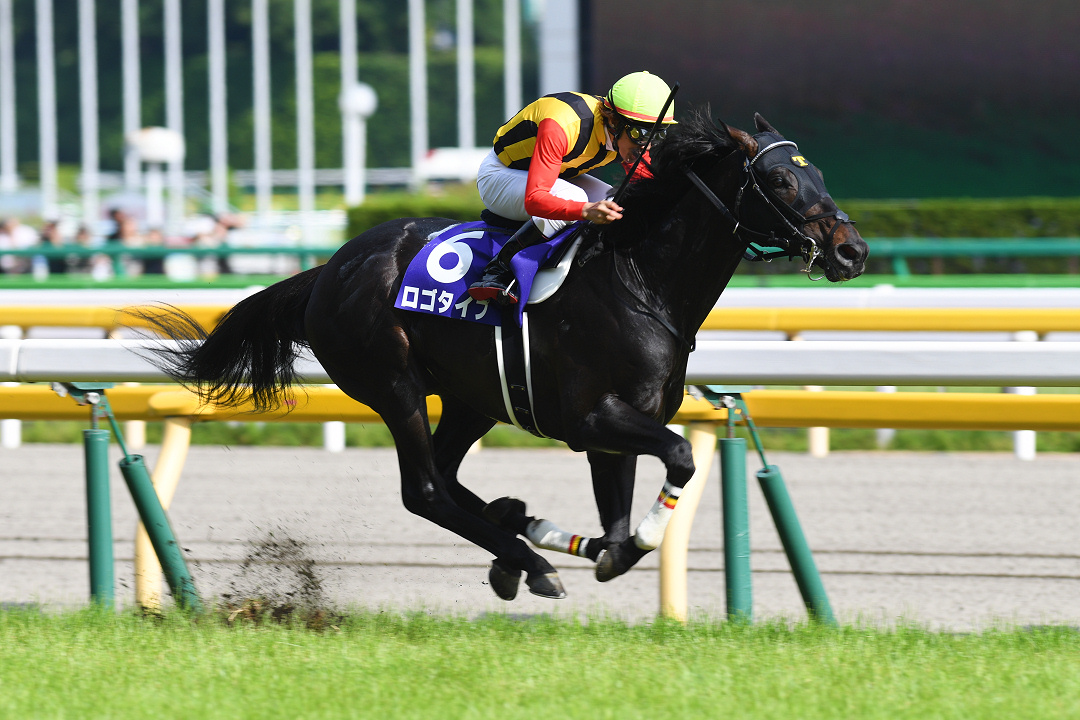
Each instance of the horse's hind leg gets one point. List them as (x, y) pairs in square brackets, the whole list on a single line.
[(459, 428), (426, 492)]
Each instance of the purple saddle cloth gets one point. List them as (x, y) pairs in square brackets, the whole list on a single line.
[(438, 278)]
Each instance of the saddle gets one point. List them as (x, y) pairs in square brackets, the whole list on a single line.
[(437, 279), (553, 271)]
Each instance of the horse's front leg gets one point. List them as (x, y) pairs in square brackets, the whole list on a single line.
[(613, 488), (614, 426)]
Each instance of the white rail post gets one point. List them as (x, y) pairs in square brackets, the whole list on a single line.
[(1024, 441), (174, 110), (88, 114), (560, 68), (260, 56), (511, 57), (817, 438), (884, 436), (219, 132), (9, 177), (334, 436), (466, 75), (132, 82), (305, 108), (418, 106), (46, 68), (354, 189), (10, 429)]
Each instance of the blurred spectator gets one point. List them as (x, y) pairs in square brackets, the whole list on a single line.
[(15, 236), (98, 265), (214, 232), (117, 216), (50, 237), (127, 233), (154, 238)]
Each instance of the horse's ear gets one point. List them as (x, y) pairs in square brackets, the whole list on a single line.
[(743, 139), (763, 124)]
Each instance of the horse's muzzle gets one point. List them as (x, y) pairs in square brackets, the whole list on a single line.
[(847, 259)]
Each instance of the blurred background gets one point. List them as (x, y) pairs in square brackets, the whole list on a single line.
[(162, 126)]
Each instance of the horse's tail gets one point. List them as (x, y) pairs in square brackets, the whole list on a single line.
[(249, 355)]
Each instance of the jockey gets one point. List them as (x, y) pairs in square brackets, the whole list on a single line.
[(536, 169)]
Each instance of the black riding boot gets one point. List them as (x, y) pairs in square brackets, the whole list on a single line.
[(498, 282)]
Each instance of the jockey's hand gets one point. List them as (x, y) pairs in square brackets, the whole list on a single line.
[(601, 212)]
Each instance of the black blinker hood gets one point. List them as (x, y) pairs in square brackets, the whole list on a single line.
[(786, 154)]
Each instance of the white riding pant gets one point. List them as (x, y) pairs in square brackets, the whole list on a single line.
[(503, 191)]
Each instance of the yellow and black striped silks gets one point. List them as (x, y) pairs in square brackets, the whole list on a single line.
[(579, 117)]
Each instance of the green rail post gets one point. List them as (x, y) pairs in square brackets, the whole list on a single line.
[(795, 546), (152, 514), (160, 531), (99, 514), (155, 520), (736, 528), (736, 516)]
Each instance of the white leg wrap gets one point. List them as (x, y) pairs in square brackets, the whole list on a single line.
[(650, 532), (545, 535)]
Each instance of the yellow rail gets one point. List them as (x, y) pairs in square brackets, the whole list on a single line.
[(795, 320), (769, 408), (787, 320), (102, 317)]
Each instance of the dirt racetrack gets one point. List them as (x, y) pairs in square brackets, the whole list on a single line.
[(951, 541)]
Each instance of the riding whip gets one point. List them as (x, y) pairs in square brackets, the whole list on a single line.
[(648, 143)]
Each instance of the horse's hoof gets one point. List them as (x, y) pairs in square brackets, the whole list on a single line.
[(498, 511), (504, 581), (546, 585), (617, 559)]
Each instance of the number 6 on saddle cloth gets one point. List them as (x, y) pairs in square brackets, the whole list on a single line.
[(438, 278)]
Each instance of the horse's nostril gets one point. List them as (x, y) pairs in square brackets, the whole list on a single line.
[(848, 252)]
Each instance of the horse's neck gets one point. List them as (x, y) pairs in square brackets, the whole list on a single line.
[(685, 265)]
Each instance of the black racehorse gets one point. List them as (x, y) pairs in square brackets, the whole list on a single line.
[(609, 349)]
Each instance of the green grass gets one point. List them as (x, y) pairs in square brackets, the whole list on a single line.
[(96, 664)]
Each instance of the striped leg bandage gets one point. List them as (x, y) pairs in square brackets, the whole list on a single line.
[(650, 532)]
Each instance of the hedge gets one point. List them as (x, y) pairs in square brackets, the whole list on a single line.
[(932, 218), (462, 205)]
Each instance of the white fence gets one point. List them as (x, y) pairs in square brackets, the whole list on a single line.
[(835, 363)]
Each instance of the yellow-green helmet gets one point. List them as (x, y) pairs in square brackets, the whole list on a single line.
[(639, 97)]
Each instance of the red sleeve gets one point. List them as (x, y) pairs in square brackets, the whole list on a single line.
[(551, 146)]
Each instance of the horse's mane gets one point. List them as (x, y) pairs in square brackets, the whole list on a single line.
[(694, 142)]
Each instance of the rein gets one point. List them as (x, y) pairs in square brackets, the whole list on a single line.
[(806, 248), (750, 252)]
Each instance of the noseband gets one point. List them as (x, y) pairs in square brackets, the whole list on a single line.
[(797, 242)]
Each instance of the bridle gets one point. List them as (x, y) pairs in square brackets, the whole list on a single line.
[(794, 242)]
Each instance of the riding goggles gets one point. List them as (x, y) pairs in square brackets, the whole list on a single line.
[(640, 136)]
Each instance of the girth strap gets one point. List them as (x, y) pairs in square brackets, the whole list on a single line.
[(515, 371)]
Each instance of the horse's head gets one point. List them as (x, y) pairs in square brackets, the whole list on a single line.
[(788, 199)]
